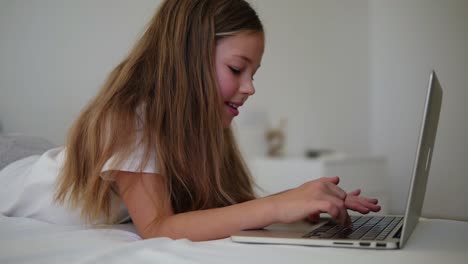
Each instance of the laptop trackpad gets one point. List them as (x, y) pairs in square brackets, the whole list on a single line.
[(299, 227)]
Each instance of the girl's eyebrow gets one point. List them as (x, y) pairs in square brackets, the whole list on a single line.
[(246, 59)]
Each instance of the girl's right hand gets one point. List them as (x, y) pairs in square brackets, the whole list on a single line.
[(312, 198)]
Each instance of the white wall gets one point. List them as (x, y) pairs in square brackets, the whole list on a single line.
[(314, 74), (408, 39), (55, 54)]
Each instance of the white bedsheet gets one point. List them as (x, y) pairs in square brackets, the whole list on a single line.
[(29, 241), (24, 240)]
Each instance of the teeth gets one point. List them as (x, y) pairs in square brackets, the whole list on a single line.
[(233, 105)]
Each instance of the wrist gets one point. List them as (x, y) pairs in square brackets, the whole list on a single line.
[(270, 209)]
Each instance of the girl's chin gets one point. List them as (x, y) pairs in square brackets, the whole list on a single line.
[(227, 122)]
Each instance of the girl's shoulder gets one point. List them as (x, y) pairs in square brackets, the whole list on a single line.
[(135, 162)]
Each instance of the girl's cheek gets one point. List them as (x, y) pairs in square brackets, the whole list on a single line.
[(227, 85)]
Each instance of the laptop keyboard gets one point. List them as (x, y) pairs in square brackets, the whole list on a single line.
[(364, 228)]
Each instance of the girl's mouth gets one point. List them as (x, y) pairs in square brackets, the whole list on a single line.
[(232, 108)]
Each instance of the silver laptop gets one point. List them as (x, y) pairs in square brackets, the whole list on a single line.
[(378, 231)]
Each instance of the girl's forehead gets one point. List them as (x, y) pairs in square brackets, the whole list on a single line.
[(243, 40), (248, 46)]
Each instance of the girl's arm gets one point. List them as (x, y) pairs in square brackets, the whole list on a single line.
[(138, 191)]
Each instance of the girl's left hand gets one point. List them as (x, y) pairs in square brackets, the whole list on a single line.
[(356, 203)]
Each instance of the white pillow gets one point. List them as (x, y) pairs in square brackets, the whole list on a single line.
[(17, 146)]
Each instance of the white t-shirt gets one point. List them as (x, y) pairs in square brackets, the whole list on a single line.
[(28, 186), (132, 164)]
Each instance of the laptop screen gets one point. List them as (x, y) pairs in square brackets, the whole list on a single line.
[(423, 158)]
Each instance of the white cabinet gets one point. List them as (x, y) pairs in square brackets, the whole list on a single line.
[(368, 173)]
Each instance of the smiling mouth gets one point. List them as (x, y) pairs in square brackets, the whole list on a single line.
[(233, 108), (232, 105)]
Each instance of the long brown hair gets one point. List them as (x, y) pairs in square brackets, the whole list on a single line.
[(170, 77)]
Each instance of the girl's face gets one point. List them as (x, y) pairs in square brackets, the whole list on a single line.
[(237, 59)]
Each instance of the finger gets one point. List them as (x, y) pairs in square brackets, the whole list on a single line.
[(347, 219), (373, 207), (356, 192), (363, 198), (356, 206), (335, 179), (372, 204), (337, 191), (363, 202), (343, 216), (313, 218), (325, 206), (371, 200)]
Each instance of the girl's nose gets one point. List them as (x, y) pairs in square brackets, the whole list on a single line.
[(248, 88)]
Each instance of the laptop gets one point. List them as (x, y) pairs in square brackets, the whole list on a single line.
[(378, 231)]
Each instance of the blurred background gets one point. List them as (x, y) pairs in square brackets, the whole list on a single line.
[(347, 76)]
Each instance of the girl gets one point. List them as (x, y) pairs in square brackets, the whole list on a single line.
[(155, 144)]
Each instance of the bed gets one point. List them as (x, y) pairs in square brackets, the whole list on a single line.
[(29, 241), (24, 240)]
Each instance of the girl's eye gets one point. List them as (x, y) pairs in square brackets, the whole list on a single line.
[(235, 71)]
